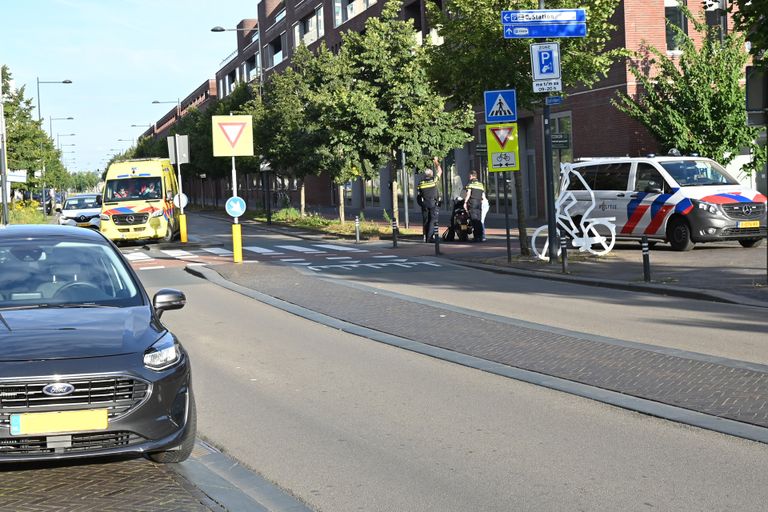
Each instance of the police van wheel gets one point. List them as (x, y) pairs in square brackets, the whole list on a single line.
[(679, 235), (751, 242)]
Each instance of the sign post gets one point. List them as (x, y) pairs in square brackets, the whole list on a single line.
[(503, 155), (180, 156), (233, 136)]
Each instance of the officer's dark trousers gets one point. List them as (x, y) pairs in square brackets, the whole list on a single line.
[(476, 216), (429, 214)]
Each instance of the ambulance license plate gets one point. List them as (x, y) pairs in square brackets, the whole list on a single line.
[(749, 224)]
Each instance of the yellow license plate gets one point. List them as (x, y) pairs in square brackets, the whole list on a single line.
[(83, 224), (59, 422), (749, 224)]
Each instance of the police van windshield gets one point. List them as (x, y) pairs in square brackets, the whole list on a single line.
[(695, 173), (128, 189)]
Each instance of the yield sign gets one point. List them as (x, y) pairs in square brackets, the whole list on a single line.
[(232, 135), (501, 134)]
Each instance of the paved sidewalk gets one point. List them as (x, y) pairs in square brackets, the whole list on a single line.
[(720, 389)]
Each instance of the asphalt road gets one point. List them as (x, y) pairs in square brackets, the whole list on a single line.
[(345, 423)]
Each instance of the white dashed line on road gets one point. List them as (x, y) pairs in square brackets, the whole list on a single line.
[(340, 248)]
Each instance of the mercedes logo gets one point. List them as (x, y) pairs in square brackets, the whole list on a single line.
[(129, 219), (746, 209)]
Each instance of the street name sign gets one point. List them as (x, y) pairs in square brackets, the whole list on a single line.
[(543, 23), (553, 100), (503, 147), (232, 135), (500, 106), (545, 61), (547, 85)]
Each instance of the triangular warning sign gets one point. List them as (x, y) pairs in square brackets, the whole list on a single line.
[(502, 135), (232, 131), (500, 108)]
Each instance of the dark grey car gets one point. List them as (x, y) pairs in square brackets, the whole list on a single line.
[(86, 366)]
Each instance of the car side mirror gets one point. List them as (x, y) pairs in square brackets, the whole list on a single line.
[(653, 190), (167, 299), (58, 210)]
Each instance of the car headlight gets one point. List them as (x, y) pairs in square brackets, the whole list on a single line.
[(157, 213), (163, 354), (104, 216), (709, 207)]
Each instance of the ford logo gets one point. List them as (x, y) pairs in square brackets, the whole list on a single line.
[(58, 389)]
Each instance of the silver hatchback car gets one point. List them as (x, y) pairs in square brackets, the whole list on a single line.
[(81, 210)]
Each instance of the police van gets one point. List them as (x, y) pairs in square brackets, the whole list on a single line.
[(138, 201), (680, 200)]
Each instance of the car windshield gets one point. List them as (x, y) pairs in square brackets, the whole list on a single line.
[(56, 273), (82, 203), (695, 173), (128, 189)]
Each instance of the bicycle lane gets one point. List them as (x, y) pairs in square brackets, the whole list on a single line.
[(713, 392)]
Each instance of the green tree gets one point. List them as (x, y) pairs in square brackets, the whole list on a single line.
[(695, 103), (474, 57), (394, 70), (751, 18)]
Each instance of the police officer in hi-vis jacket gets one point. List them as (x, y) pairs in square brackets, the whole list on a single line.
[(428, 199), (473, 203)]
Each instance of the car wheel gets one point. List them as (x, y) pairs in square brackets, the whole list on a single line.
[(168, 234), (679, 235), (187, 444), (751, 242)]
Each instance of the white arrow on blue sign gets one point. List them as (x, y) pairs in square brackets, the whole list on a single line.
[(544, 30), (235, 206), (544, 16), (500, 106)]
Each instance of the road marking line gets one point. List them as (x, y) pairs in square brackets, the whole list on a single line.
[(341, 248), (262, 250), (152, 268), (386, 256), (291, 260), (178, 253), (338, 257), (299, 248), (138, 256), (196, 264), (218, 251)]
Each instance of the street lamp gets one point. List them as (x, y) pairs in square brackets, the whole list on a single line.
[(59, 135), (52, 119), (177, 102), (40, 120)]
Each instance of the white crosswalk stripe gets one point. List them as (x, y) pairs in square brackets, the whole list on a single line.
[(262, 250), (339, 248), (219, 251), (300, 248), (138, 256), (177, 253)]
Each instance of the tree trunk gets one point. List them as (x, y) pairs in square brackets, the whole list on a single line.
[(342, 218), (303, 199), (522, 230)]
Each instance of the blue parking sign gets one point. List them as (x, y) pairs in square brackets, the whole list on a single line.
[(545, 61), (500, 106)]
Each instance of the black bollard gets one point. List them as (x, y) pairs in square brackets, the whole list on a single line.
[(357, 229), (564, 252), (394, 233), (646, 259), (436, 234)]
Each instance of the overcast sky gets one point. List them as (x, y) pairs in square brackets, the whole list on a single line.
[(120, 55)]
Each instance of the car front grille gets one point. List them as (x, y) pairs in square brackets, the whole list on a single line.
[(74, 443), (744, 211), (743, 232), (117, 394), (130, 219)]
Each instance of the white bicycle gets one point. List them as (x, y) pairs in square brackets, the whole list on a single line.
[(585, 236)]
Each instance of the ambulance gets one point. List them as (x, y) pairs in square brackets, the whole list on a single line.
[(675, 199), (138, 201)]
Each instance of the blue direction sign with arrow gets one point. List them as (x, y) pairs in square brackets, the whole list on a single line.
[(500, 106), (543, 23), (543, 30), (544, 16)]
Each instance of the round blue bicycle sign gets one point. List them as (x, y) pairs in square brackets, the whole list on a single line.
[(235, 206)]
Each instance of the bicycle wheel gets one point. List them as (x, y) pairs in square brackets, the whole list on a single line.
[(540, 243), (602, 245)]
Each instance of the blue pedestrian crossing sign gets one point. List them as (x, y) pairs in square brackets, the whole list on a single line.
[(500, 106), (235, 206)]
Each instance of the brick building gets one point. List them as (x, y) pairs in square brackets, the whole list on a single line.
[(587, 122)]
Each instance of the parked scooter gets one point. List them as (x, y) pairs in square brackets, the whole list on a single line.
[(459, 227)]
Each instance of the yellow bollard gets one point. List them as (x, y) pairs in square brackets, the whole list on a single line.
[(183, 227), (237, 243)]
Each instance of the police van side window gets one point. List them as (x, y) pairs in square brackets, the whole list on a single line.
[(649, 179), (612, 176), (587, 172)]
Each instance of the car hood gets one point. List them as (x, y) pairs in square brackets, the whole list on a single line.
[(39, 334), (724, 194), (88, 212)]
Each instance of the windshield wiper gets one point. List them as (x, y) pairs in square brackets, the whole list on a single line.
[(55, 306)]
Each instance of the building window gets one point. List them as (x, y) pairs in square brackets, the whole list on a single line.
[(280, 15), (253, 67), (309, 29), (276, 50), (674, 18), (344, 10)]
